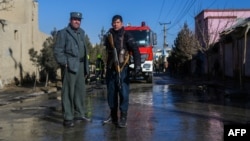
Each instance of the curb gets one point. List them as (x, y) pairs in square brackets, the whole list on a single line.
[(26, 96)]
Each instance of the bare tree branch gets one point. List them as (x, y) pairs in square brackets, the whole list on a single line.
[(6, 5)]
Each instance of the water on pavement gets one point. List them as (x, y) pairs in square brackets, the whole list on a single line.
[(162, 111)]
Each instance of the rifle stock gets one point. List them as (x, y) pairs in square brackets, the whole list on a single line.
[(126, 60)]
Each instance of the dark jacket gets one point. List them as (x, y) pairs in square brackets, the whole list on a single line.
[(99, 64), (66, 49), (128, 44)]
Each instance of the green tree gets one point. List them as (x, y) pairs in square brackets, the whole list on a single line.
[(88, 43), (98, 48), (34, 57), (185, 47), (45, 61)]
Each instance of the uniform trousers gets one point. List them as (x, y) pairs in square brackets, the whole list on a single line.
[(73, 93)]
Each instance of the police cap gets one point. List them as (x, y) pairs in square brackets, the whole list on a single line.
[(76, 15)]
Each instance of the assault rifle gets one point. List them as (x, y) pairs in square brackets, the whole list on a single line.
[(115, 61)]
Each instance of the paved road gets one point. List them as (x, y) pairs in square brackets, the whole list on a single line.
[(166, 110)]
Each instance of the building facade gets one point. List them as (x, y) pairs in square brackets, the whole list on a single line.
[(19, 32), (209, 24), (235, 46)]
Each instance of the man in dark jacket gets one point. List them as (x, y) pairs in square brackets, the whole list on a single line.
[(118, 81), (71, 53), (99, 67)]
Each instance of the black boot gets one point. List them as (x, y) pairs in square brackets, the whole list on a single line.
[(68, 123), (112, 118), (123, 120)]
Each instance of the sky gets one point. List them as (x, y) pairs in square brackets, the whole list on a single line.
[(97, 14)]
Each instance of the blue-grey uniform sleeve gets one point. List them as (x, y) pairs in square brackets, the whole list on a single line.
[(59, 49)]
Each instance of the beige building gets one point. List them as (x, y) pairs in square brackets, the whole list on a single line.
[(18, 33)]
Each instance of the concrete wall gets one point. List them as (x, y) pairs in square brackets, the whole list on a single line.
[(17, 36), (233, 57), (228, 58), (247, 66)]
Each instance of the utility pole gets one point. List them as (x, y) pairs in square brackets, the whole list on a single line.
[(164, 57), (165, 34)]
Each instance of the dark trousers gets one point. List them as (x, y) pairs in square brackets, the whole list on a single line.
[(73, 93), (115, 92)]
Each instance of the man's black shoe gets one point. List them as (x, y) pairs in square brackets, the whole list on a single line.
[(68, 123), (80, 119), (123, 123)]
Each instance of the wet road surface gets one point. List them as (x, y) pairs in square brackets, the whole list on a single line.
[(166, 110)]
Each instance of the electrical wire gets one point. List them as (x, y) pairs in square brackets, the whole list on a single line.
[(183, 13), (162, 5)]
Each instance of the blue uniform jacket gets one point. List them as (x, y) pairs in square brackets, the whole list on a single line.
[(66, 49)]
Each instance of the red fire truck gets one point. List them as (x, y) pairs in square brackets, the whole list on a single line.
[(145, 39)]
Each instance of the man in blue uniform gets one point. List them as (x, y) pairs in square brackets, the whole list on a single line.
[(71, 53)]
